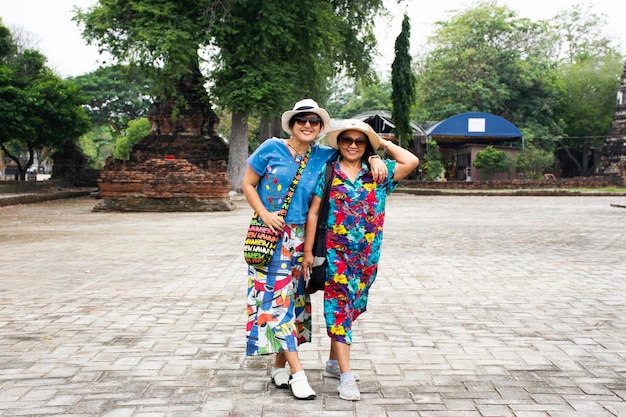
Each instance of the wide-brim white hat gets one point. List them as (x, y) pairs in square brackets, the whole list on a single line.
[(353, 124), (306, 106)]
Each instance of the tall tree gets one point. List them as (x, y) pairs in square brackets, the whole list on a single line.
[(7, 46), (116, 94), (270, 53), (588, 107), (295, 51), (590, 68), (38, 110), (487, 59), (161, 39), (403, 82), (577, 35)]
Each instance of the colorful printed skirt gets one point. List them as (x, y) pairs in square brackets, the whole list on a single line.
[(279, 310)]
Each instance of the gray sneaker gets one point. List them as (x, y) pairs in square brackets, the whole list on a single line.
[(348, 390), (335, 372)]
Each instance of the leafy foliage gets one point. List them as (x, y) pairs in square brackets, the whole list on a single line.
[(360, 97), (588, 105), (533, 162), (38, 110), (576, 35), (160, 39), (492, 161), (433, 166), (487, 59), (116, 94), (295, 51), (97, 145), (136, 131)]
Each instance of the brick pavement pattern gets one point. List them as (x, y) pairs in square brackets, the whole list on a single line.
[(484, 306)]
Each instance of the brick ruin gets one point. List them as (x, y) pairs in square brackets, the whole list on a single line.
[(613, 158), (180, 166)]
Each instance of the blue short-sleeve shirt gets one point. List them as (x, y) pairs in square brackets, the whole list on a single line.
[(273, 161)]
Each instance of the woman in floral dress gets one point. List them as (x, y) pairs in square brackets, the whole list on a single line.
[(354, 236)]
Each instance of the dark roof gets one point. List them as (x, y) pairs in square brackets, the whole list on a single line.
[(476, 126), (381, 122)]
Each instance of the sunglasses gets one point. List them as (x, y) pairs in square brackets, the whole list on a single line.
[(348, 141), (313, 121)]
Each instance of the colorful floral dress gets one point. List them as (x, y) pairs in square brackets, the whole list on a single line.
[(353, 243)]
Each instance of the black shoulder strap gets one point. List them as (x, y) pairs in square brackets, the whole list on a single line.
[(323, 214)]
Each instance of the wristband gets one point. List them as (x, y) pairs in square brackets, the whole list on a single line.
[(369, 158)]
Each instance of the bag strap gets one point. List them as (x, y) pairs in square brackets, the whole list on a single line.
[(322, 218), (292, 188)]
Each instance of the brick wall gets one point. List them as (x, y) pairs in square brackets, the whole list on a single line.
[(580, 182), (179, 172)]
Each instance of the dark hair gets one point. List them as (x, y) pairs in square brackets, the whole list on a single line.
[(292, 121), (369, 149)]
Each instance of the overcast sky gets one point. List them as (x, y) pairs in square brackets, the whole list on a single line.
[(49, 24)]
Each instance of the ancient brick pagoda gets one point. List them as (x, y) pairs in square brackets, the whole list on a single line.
[(613, 160), (180, 166)]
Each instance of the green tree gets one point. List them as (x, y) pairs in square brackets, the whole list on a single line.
[(97, 145), (7, 46), (492, 161), (588, 107), (116, 94), (589, 69), (38, 110), (269, 54), (136, 131), (161, 39), (358, 97), (576, 35), (296, 50), (533, 162), (433, 167), (487, 59), (403, 81)]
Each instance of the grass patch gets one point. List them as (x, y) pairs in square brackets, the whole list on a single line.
[(600, 190)]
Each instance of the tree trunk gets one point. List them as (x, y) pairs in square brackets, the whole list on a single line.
[(572, 157), (237, 150), (269, 128), (585, 162)]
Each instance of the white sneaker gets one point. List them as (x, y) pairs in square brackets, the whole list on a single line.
[(300, 387), (348, 390), (280, 378), (333, 371)]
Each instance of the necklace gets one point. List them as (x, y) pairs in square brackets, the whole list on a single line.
[(298, 156), (351, 170)]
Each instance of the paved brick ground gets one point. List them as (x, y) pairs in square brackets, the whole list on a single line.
[(484, 306)]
